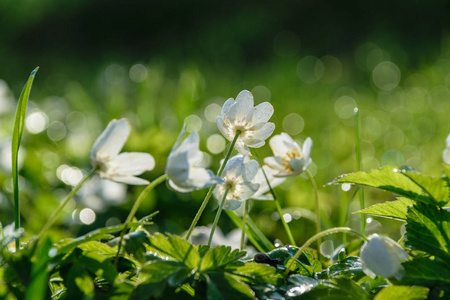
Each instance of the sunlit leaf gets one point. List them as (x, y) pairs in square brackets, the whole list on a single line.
[(218, 257), (177, 248), (222, 286), (437, 188), (428, 229), (389, 179), (391, 209), (403, 292), (427, 272)]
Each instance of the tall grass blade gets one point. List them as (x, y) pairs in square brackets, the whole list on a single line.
[(17, 137)]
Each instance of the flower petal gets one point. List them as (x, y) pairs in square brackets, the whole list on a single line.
[(264, 132), (263, 112), (110, 141), (124, 179), (131, 163)]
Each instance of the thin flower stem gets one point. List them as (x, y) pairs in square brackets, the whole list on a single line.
[(244, 223), (318, 236), (316, 197), (216, 219), (359, 164), (61, 206), (211, 190), (134, 209), (277, 204)]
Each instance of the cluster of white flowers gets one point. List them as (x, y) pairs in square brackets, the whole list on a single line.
[(241, 121)]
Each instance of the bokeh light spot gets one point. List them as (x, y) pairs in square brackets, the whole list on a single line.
[(293, 124), (138, 73), (87, 216), (386, 76), (215, 143)]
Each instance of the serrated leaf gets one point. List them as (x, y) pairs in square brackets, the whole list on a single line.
[(428, 229), (389, 179), (222, 286), (427, 272), (391, 209), (402, 292), (252, 272), (301, 285), (177, 248), (160, 270), (437, 188), (350, 267), (218, 257)]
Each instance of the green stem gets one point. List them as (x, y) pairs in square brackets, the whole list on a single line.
[(277, 204), (211, 190), (244, 223), (359, 165), (60, 208), (318, 236), (216, 219), (134, 209), (316, 197)]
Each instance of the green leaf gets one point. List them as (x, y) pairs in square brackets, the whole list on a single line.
[(427, 272), (350, 267), (222, 286), (402, 292), (391, 209), (437, 188), (16, 139), (302, 284), (389, 179), (39, 275), (428, 229), (218, 257), (253, 273), (160, 270), (177, 248)]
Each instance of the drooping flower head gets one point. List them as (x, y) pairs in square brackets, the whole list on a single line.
[(289, 159), (240, 115), (182, 165), (121, 167), (446, 153), (382, 256), (238, 175)]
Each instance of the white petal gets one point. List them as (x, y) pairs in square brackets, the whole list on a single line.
[(124, 179), (232, 204), (225, 130), (275, 162), (131, 163), (263, 112), (110, 141), (251, 168), (281, 144), (307, 146), (226, 106)]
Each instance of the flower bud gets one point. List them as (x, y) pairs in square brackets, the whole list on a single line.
[(382, 256)]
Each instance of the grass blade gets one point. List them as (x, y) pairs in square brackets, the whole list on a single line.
[(17, 137)]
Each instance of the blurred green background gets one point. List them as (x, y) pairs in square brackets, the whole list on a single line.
[(162, 63)]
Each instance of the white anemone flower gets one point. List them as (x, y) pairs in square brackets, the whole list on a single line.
[(251, 121), (289, 159), (115, 166), (261, 193), (184, 174), (382, 256), (238, 176), (446, 153)]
